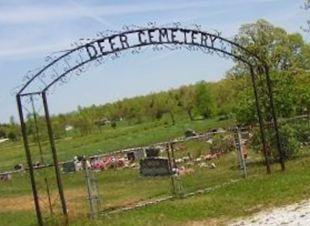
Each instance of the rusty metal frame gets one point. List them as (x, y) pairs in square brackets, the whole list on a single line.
[(223, 47)]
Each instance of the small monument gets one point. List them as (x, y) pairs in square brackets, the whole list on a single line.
[(153, 165), (68, 167)]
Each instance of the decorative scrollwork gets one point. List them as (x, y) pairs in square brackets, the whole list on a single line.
[(110, 45)]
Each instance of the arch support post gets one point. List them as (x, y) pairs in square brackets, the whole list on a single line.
[(55, 158), (29, 161), (274, 118), (261, 122)]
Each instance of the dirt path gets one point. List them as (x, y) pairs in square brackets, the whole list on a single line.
[(295, 214)]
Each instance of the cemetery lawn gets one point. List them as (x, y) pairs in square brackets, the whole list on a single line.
[(245, 197), (107, 140), (119, 187), (227, 201)]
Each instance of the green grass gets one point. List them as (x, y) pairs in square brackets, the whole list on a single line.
[(117, 187), (124, 136), (121, 187), (18, 218), (258, 192)]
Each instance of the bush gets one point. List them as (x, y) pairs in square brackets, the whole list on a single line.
[(2, 133), (288, 137), (255, 140), (289, 141), (302, 131), (12, 136)]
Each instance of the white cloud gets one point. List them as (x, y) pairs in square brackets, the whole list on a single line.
[(22, 51), (41, 14), (30, 14), (87, 12), (26, 44)]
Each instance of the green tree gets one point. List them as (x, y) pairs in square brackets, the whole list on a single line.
[(153, 108), (273, 45), (84, 121), (244, 107), (163, 103), (186, 100), (285, 93), (12, 135), (2, 133), (302, 89), (205, 102), (228, 92), (287, 56)]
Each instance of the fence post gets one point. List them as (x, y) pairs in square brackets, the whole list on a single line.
[(92, 190), (29, 161), (38, 138), (171, 168), (55, 158), (261, 122), (238, 143)]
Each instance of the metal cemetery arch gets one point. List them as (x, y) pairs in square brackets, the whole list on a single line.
[(111, 44)]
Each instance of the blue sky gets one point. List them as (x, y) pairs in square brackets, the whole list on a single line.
[(30, 30)]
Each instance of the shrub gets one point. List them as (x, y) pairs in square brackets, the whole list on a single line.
[(2, 133), (12, 136), (289, 141), (302, 131), (288, 138)]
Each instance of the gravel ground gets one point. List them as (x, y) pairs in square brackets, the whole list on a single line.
[(295, 214)]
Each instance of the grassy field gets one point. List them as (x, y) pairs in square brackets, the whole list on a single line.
[(16, 194), (117, 187), (125, 186), (109, 139), (258, 192)]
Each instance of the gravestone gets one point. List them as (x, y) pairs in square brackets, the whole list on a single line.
[(139, 154), (152, 152), (155, 166), (131, 156), (68, 167), (136, 154)]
